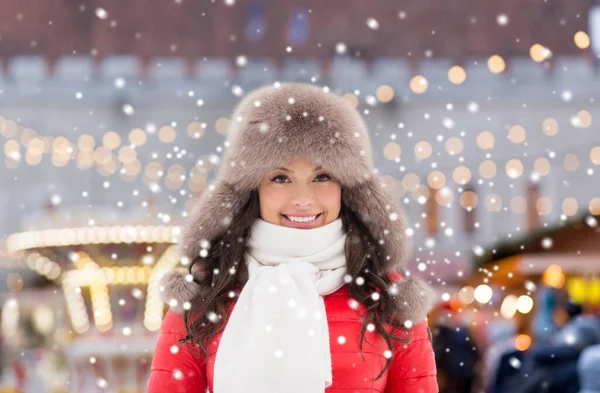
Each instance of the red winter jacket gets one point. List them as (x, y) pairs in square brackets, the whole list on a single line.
[(179, 368)]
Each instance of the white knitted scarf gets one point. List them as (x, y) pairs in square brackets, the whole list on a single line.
[(277, 338)]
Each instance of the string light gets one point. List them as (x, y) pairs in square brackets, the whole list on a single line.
[(93, 235)]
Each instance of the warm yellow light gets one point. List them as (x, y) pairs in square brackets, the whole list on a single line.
[(488, 169), (138, 137), (493, 203), (554, 276), (454, 146), (111, 140), (154, 171), (509, 307), (550, 126), (516, 134), (36, 146), (436, 180), (594, 206), (14, 282), (167, 134), (411, 181), (154, 304), (483, 294), (102, 155), (542, 166), (55, 237), (522, 342), (444, 196), (584, 119), (385, 93), (11, 147), (27, 135), (514, 168), (469, 200), (457, 75), (595, 155), (419, 84), (196, 130), (582, 40), (461, 175), (578, 289), (496, 64), (392, 151), (594, 291), (61, 145), (43, 318), (466, 295), (524, 304), (86, 143), (132, 169), (423, 149), (127, 154), (131, 275), (570, 206), (10, 129), (85, 159), (539, 53), (485, 140), (544, 206)]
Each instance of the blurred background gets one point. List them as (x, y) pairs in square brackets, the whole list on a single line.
[(113, 118)]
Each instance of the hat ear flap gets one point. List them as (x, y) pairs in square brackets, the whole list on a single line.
[(415, 299), (176, 290), (385, 220)]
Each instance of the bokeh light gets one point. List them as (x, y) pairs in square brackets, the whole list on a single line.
[(582, 40), (524, 304), (457, 75), (418, 84), (496, 64), (483, 293)]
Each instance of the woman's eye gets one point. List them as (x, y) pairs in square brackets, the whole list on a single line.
[(283, 178), (278, 177)]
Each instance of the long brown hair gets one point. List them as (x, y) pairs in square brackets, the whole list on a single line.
[(225, 273)]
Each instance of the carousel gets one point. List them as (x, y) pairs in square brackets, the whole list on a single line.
[(103, 305)]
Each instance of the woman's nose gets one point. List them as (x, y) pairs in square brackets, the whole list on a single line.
[(303, 201), (303, 197)]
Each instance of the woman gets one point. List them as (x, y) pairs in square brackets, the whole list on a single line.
[(293, 251)]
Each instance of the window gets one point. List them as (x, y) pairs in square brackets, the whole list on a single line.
[(469, 206), (433, 215), (594, 27), (255, 21), (298, 27), (533, 194)]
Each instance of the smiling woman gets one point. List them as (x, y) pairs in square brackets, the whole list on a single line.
[(299, 196), (295, 252)]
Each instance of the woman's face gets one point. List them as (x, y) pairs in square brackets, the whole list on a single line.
[(300, 190)]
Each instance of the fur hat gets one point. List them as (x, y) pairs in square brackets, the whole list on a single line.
[(275, 124)]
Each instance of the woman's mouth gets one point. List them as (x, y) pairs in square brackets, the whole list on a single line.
[(302, 224)]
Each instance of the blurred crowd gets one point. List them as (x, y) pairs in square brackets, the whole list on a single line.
[(557, 352)]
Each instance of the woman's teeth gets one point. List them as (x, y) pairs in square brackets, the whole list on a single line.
[(301, 219)]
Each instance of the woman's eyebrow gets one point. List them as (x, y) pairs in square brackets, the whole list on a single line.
[(290, 171)]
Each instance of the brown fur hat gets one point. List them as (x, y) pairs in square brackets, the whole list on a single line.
[(278, 123)]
